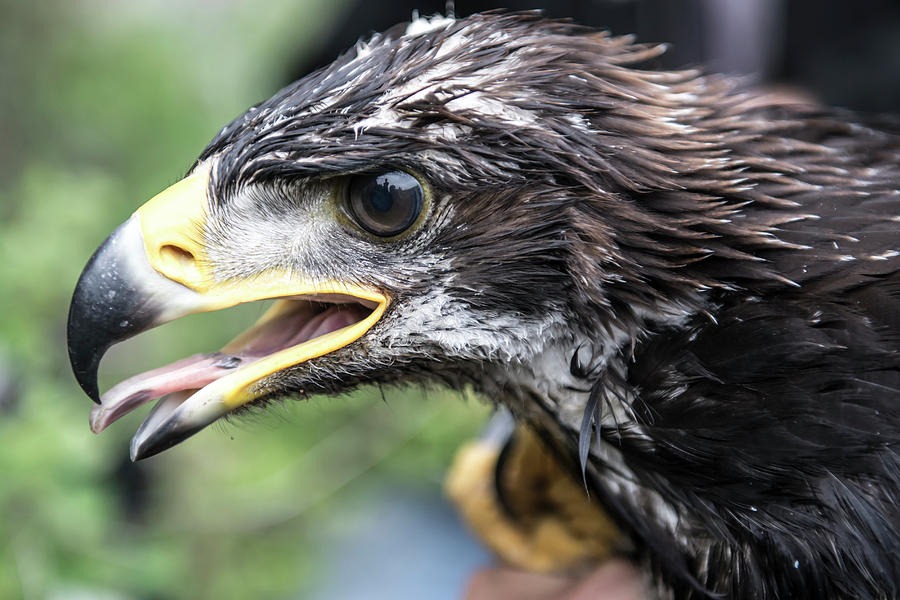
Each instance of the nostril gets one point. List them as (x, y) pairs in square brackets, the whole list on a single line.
[(174, 255), (179, 264)]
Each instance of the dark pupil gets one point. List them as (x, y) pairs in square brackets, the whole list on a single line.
[(381, 199), (385, 204)]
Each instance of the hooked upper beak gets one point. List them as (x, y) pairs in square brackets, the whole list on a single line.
[(153, 269)]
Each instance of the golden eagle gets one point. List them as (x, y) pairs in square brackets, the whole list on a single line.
[(690, 291)]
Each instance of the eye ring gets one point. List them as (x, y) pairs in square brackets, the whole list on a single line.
[(384, 204)]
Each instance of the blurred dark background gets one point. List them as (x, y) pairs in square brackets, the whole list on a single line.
[(844, 53), (103, 104)]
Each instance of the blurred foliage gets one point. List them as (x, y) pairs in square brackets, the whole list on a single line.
[(103, 104)]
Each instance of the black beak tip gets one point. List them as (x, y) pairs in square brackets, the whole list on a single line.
[(107, 307), (163, 438), (141, 451), (83, 356)]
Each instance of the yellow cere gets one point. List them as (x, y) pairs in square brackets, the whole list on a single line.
[(172, 224)]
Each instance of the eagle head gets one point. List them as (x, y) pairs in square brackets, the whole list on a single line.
[(414, 207), (690, 291)]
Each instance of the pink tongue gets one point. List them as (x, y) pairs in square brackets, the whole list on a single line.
[(187, 374), (200, 370)]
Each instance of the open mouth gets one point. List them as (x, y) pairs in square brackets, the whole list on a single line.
[(153, 269), (292, 325)]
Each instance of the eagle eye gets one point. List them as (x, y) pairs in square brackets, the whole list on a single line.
[(385, 204)]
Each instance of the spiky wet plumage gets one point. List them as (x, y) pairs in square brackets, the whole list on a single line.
[(695, 286)]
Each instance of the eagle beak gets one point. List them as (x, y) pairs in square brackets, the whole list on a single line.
[(153, 269)]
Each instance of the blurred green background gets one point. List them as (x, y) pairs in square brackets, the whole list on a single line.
[(103, 104)]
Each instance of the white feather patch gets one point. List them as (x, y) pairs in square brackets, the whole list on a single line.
[(422, 25)]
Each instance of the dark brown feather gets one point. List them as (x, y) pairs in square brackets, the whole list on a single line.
[(725, 262)]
